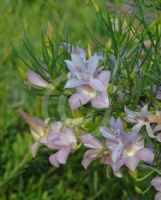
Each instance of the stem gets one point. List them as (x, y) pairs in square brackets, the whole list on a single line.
[(146, 176)]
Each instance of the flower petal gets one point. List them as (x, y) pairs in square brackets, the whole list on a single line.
[(91, 142), (157, 196), (144, 110), (89, 156), (150, 131), (72, 83), (60, 157), (36, 79), (34, 149), (104, 77), (100, 101), (132, 163), (117, 152), (77, 100), (107, 134), (145, 155), (138, 126), (97, 85), (92, 64), (156, 182)]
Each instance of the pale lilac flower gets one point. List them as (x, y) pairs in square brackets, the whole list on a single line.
[(36, 79), (95, 149), (156, 182), (158, 96), (89, 82), (63, 140), (39, 130), (142, 118), (126, 148)]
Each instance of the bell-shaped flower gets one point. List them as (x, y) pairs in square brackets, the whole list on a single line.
[(89, 82), (36, 80), (96, 149), (127, 148), (156, 182), (63, 140), (39, 130)]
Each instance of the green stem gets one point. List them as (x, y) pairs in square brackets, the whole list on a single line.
[(146, 176)]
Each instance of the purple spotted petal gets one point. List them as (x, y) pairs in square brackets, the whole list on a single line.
[(89, 156), (36, 79), (104, 77), (91, 142), (132, 163), (156, 182), (100, 101), (145, 155), (72, 83), (77, 100)]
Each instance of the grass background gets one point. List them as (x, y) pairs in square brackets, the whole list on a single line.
[(22, 177)]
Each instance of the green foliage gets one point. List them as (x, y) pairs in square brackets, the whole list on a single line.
[(135, 69)]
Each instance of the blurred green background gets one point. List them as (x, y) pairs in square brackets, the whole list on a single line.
[(22, 177)]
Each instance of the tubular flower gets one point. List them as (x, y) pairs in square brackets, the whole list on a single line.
[(63, 140), (90, 83), (39, 130), (96, 149), (126, 148), (156, 182)]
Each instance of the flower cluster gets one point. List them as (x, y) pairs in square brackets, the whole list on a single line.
[(115, 146)]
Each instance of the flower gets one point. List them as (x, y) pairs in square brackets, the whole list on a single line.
[(158, 96), (140, 118), (156, 182), (126, 148), (89, 82), (36, 79), (143, 118), (39, 130), (61, 138), (95, 149)]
